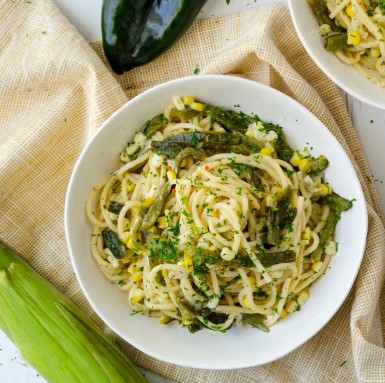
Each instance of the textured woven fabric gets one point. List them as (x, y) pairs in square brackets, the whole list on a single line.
[(55, 92)]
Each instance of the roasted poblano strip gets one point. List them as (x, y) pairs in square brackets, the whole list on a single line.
[(282, 148), (156, 207), (319, 164), (273, 258), (186, 152), (255, 320), (208, 257), (276, 216), (114, 207), (209, 142), (337, 42), (249, 174), (185, 114), (338, 203), (199, 140), (321, 12), (338, 38), (231, 120), (325, 235), (113, 243), (288, 217), (153, 125)]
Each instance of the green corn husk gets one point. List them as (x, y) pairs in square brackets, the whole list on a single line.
[(54, 335)]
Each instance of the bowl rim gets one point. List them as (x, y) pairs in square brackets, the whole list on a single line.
[(72, 251), (311, 52)]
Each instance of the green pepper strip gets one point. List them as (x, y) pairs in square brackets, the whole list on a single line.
[(196, 154), (156, 207), (325, 234), (337, 42), (338, 203), (153, 125), (113, 243), (115, 207), (255, 320), (275, 218)]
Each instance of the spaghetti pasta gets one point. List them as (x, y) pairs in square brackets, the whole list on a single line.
[(213, 220), (355, 31)]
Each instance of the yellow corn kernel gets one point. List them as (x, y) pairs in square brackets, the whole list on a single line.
[(239, 281), (307, 233), (164, 319), (252, 281), (186, 322), (245, 302), (162, 222), (165, 273), (147, 202), (267, 151), (171, 175), (130, 186), (249, 133), (271, 200), (180, 263), (350, 10), (187, 100), (188, 263), (354, 38), (277, 190), (138, 295), (133, 268), (197, 106), (125, 237), (183, 163), (375, 52), (324, 190), (304, 165), (127, 259), (291, 306), (165, 295), (303, 296), (137, 277), (317, 266), (152, 229), (130, 244), (283, 313), (295, 159)]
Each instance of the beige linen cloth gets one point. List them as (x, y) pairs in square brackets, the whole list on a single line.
[(55, 92)]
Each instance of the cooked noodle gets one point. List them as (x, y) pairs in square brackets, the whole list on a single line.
[(201, 262), (365, 21)]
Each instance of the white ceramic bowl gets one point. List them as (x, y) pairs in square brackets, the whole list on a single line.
[(345, 76), (239, 347)]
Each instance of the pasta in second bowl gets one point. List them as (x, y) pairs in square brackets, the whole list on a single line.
[(173, 227), (361, 71)]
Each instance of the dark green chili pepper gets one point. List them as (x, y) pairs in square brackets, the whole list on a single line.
[(135, 32)]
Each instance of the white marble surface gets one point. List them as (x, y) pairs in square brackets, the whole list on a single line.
[(368, 122)]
